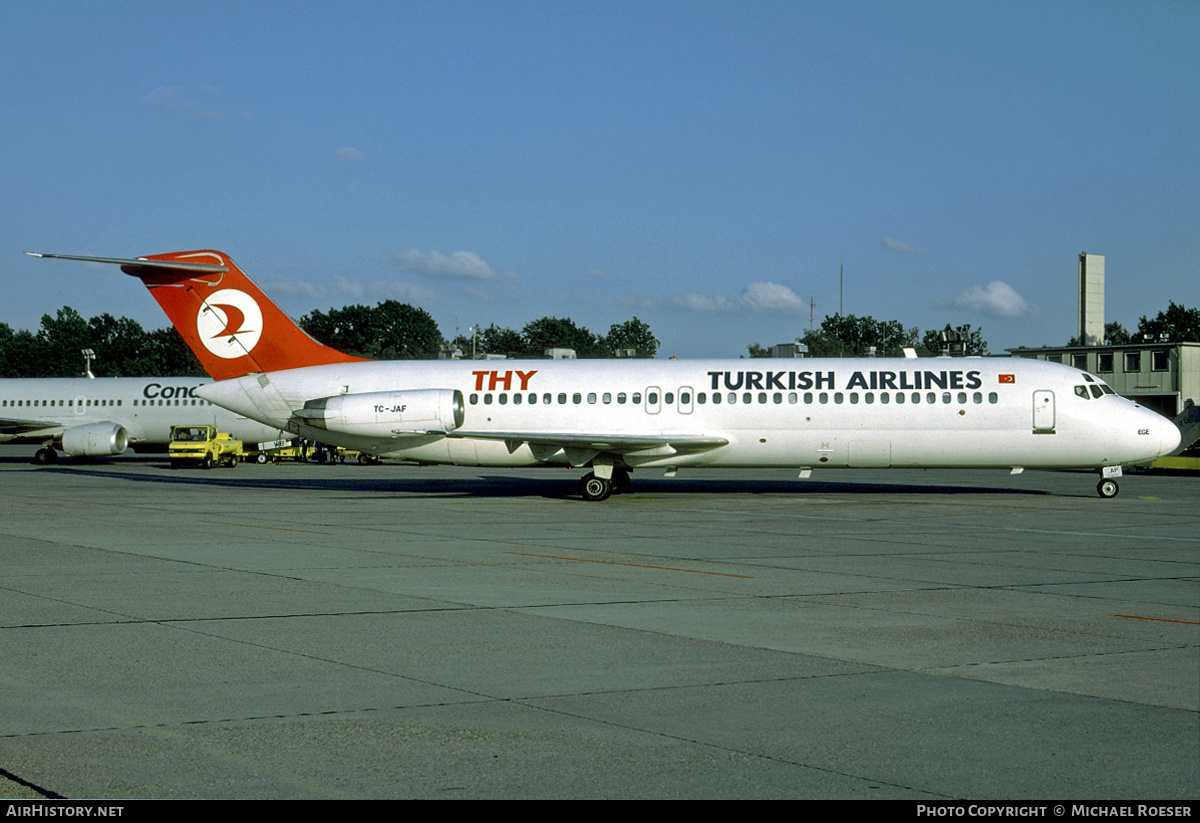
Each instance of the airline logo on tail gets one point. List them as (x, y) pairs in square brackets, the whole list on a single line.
[(229, 323)]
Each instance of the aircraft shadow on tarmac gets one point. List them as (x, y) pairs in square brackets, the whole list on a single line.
[(532, 483)]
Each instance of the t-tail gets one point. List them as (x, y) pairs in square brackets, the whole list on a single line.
[(226, 320)]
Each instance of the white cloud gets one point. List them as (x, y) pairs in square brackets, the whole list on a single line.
[(772, 298), (892, 244), (350, 155), (996, 299), (463, 265), (762, 297)]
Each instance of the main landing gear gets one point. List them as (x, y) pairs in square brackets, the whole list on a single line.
[(597, 488), (45, 456)]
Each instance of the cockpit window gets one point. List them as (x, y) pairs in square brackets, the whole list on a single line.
[(1096, 392), (1082, 392)]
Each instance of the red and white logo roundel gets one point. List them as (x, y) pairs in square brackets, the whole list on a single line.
[(229, 324)]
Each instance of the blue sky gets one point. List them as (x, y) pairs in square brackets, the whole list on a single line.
[(705, 166)]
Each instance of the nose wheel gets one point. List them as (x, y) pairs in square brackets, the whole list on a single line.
[(1107, 488)]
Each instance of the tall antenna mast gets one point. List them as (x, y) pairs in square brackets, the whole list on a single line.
[(842, 285)]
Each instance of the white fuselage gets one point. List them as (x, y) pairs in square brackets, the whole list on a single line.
[(927, 412), (41, 409)]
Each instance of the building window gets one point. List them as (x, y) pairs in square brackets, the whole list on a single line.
[(1133, 361), (1160, 360), (1104, 362), (1079, 361)]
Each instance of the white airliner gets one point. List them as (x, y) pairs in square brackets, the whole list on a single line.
[(106, 415), (617, 415)]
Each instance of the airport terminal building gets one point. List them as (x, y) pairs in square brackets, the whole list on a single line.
[(1160, 376)]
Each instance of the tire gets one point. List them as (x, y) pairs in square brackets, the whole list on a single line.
[(596, 488), (261, 458), (1107, 488)]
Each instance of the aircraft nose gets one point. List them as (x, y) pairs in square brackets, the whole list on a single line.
[(1169, 438)]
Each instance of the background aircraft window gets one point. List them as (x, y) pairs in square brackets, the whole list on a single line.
[(576, 398), (777, 397), (652, 398), (701, 398), (762, 397), (487, 400), (808, 397), (517, 398), (717, 397), (793, 398), (547, 398), (592, 397), (732, 398), (946, 397), (606, 397), (685, 398), (668, 398), (747, 397), (532, 398), (854, 397), (993, 397), (977, 397), (637, 398), (562, 399), (503, 399), (931, 397), (884, 397), (838, 397), (869, 397), (962, 398), (621, 397), (899, 397), (824, 397)]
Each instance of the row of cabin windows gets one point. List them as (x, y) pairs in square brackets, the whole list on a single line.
[(763, 398), (89, 403)]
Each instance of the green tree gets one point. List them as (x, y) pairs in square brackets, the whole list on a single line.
[(497, 340), (389, 331), (1177, 324), (19, 353), (851, 336), (632, 334), (561, 333), (758, 350), (61, 340)]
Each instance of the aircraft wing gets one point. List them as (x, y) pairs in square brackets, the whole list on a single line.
[(16, 427), (598, 442)]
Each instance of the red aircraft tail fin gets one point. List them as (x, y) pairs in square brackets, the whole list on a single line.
[(226, 320)]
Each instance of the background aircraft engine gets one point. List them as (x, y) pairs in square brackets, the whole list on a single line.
[(95, 440), (386, 413)]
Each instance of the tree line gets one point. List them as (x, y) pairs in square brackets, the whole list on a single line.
[(852, 336), (388, 331)]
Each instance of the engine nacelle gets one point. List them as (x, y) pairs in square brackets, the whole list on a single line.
[(95, 439), (386, 413)]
